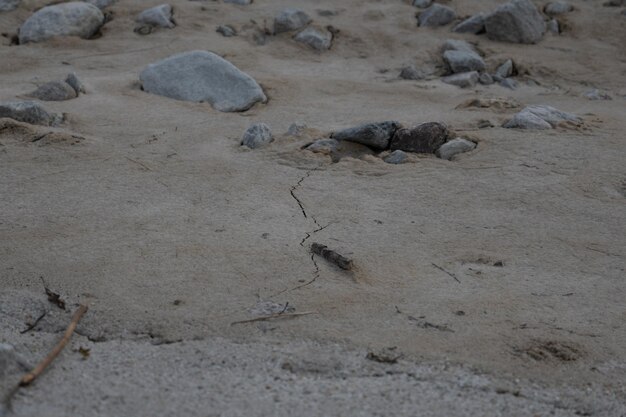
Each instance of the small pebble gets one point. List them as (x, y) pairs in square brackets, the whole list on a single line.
[(257, 135)]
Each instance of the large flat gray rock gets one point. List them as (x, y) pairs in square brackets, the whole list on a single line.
[(540, 117), (54, 91), (202, 76), (518, 21), (374, 135), (67, 19), (29, 112)]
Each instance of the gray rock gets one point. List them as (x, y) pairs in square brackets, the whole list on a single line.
[(485, 79), (374, 135), (202, 76), (8, 5), (557, 7), (436, 15), (509, 83), (315, 38), (410, 72), (54, 91), (518, 21), (457, 45), (226, 31), (596, 94), (257, 135), (325, 146), (454, 147), (158, 16), (540, 117), (290, 19), (65, 19), (396, 157), (474, 24), (505, 70), (553, 27), (296, 129), (422, 4), (101, 4), (424, 138), (463, 79), (463, 61), (29, 112), (240, 2), (74, 82), (614, 3)]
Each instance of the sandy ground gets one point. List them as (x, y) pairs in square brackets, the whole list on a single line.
[(149, 210)]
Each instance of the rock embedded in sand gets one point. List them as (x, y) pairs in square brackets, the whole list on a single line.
[(29, 112), (320, 40), (474, 24), (158, 16), (75, 83), (8, 5), (291, 19), (540, 117), (457, 45), (454, 147), (226, 31), (557, 7), (296, 129), (505, 70), (553, 27), (463, 79), (202, 76), (436, 15), (424, 138), (509, 83), (463, 61), (518, 21), (396, 157), (65, 19), (485, 79), (257, 135), (374, 135), (596, 94), (54, 91), (323, 146), (422, 4)]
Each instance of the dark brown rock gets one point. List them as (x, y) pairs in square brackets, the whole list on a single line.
[(424, 138)]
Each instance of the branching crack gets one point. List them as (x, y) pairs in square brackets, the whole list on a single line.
[(295, 197)]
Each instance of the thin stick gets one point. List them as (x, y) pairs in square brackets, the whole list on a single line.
[(273, 316), (449, 273), (32, 375)]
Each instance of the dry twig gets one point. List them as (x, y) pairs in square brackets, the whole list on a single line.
[(274, 316)]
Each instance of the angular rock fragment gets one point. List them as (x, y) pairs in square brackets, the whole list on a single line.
[(554, 27), (75, 83), (436, 15), (317, 39), (509, 83), (463, 61), (485, 79), (29, 112), (457, 45), (158, 16), (424, 138), (505, 70), (596, 94), (374, 135), (396, 157), (226, 30), (557, 7), (202, 76), (54, 91), (422, 4), (410, 72), (474, 24), (517, 21), (454, 147), (66, 19), (290, 19), (540, 117), (257, 135), (463, 79), (296, 129)]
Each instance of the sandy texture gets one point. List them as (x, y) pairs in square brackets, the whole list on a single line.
[(149, 210)]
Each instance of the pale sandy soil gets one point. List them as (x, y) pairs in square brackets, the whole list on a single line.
[(148, 209)]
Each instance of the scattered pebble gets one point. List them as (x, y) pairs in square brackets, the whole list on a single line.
[(296, 129), (509, 83), (324, 146), (558, 7), (517, 21), (463, 79), (463, 61), (8, 5), (54, 91), (202, 76), (66, 19), (257, 135), (290, 19), (540, 117), (485, 79), (374, 135), (505, 70), (410, 72), (424, 138), (457, 45), (396, 157), (159, 16), (596, 94), (226, 30), (474, 24), (320, 40), (436, 15), (454, 147), (553, 27), (484, 124), (422, 4), (29, 112)]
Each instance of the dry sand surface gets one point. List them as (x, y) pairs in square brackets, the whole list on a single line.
[(498, 276)]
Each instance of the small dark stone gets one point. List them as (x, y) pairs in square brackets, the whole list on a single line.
[(424, 138), (227, 31), (374, 135)]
